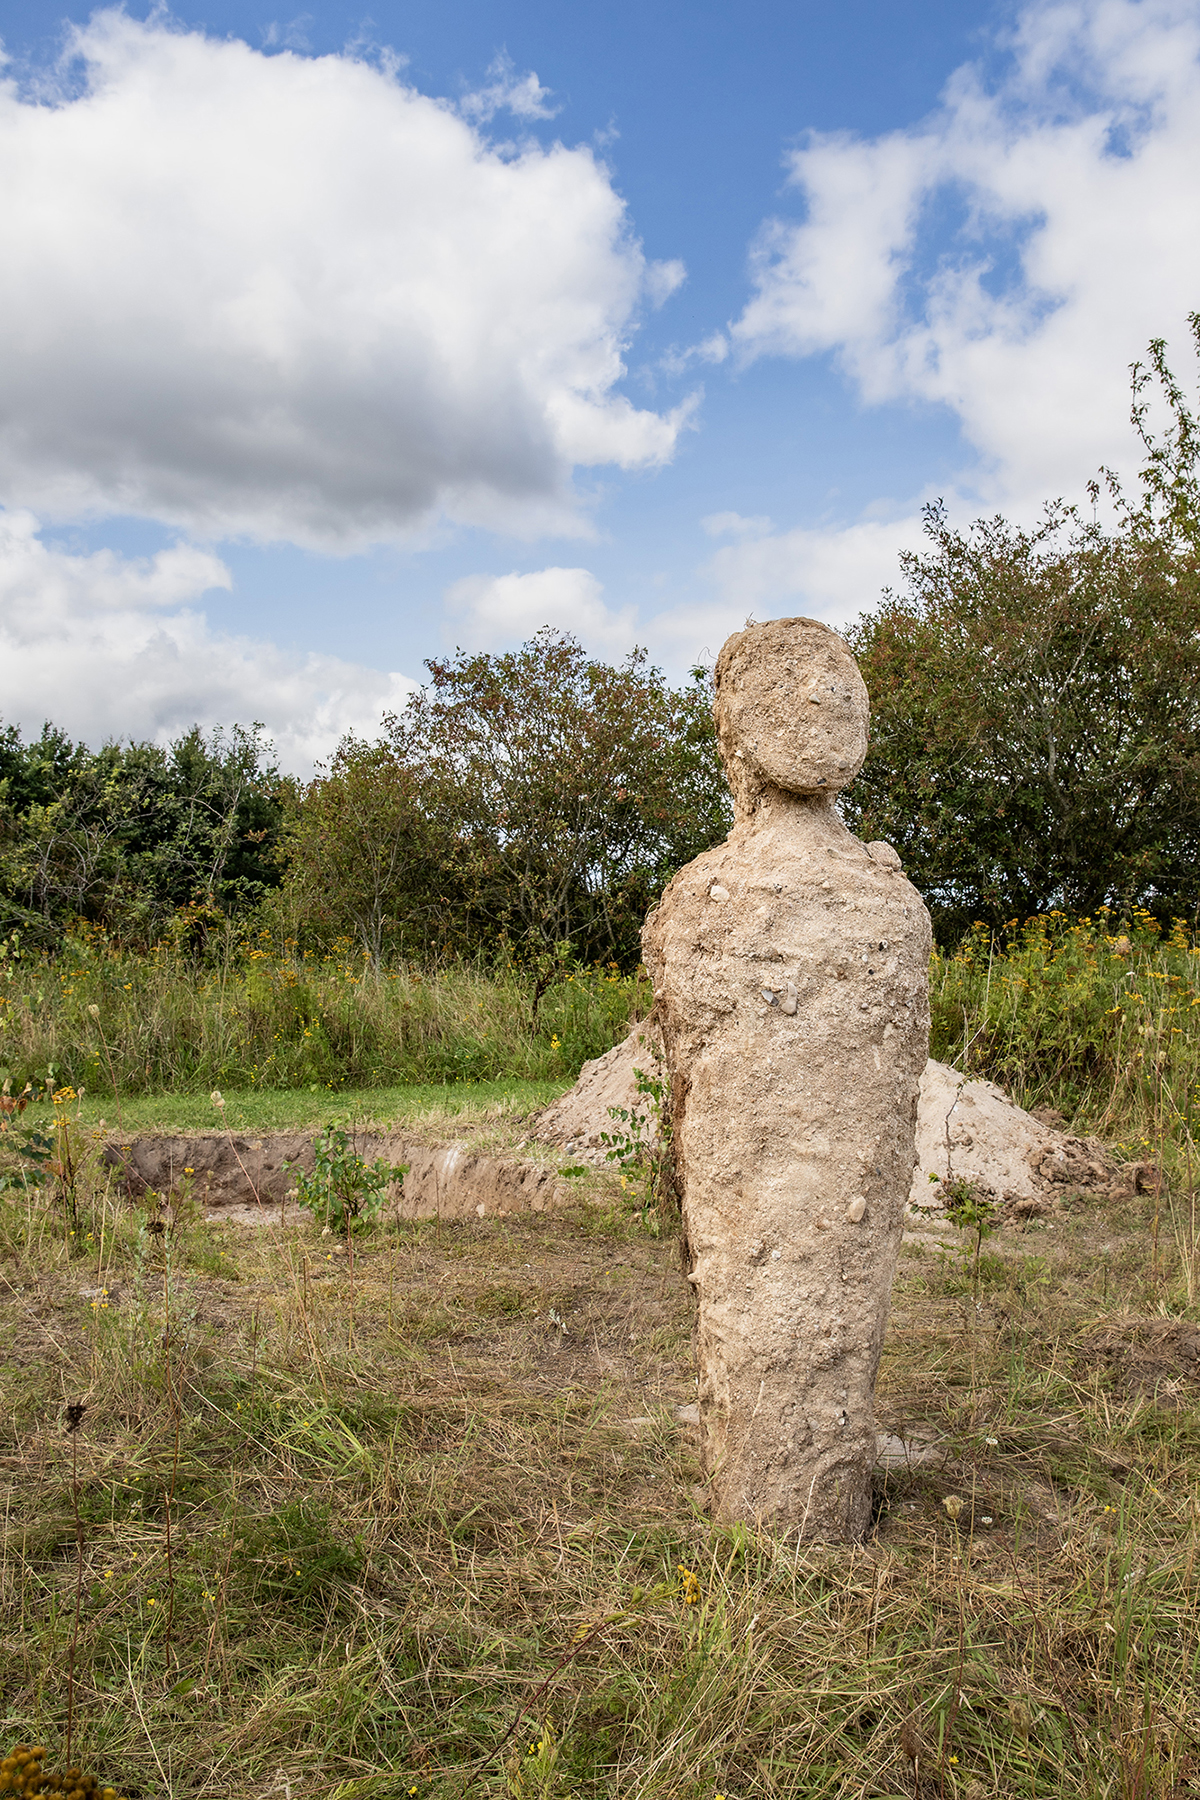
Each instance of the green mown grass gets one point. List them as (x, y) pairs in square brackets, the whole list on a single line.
[(431, 1106)]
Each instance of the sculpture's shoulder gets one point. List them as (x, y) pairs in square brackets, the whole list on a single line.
[(690, 890), (788, 876)]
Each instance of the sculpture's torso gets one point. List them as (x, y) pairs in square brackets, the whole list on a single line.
[(790, 968)]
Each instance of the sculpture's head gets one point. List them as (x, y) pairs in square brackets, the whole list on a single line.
[(791, 710)]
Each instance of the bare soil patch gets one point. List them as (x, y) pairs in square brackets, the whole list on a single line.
[(1156, 1358), (239, 1176)]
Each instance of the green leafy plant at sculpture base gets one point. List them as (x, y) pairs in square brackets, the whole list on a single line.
[(641, 1147), (970, 1208)]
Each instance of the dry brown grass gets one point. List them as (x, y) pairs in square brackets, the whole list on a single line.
[(382, 1552)]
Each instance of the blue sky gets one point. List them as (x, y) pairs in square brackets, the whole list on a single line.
[(333, 342)]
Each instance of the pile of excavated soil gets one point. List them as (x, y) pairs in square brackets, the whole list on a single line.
[(966, 1130), (970, 1130), (242, 1177)]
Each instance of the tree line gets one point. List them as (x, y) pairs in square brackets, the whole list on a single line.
[(1035, 743), (1035, 696), (531, 805)]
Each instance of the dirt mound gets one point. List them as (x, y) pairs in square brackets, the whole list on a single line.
[(966, 1130), (578, 1118), (240, 1176), (969, 1130)]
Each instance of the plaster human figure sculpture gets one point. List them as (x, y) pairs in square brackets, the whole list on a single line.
[(790, 967)]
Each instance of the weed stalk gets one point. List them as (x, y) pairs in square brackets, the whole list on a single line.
[(173, 1403), (94, 1010), (75, 1414)]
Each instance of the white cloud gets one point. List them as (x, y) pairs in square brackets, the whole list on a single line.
[(713, 349), (679, 636), (288, 296), (664, 279), (290, 36), (106, 646), (735, 524), (832, 573), (1071, 185), (522, 95), (493, 612)]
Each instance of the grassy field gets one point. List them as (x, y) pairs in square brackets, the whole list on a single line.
[(436, 1527), (432, 1525), (441, 1106), (256, 1016)]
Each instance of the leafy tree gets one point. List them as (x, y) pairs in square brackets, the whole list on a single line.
[(201, 820), (535, 800), (1036, 700), (574, 789), (127, 835), (365, 855)]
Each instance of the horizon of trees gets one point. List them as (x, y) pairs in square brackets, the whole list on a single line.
[(1035, 743)]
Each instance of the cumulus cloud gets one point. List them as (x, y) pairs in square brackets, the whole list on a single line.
[(107, 646), (831, 573), (1012, 254), (493, 612), (290, 297)]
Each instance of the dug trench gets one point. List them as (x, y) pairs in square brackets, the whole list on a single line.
[(242, 1177), (966, 1127)]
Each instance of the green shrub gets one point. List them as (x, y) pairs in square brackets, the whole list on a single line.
[(1098, 1019), (344, 1190)]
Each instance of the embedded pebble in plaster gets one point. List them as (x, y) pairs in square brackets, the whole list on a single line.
[(795, 1020)]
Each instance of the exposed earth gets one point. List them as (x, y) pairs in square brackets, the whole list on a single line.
[(967, 1130)]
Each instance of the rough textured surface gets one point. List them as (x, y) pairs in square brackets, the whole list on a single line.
[(790, 968), (791, 711), (1020, 1161), (578, 1119), (243, 1176), (970, 1130)]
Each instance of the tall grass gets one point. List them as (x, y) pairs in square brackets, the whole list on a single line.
[(257, 1014), (1099, 1020)]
